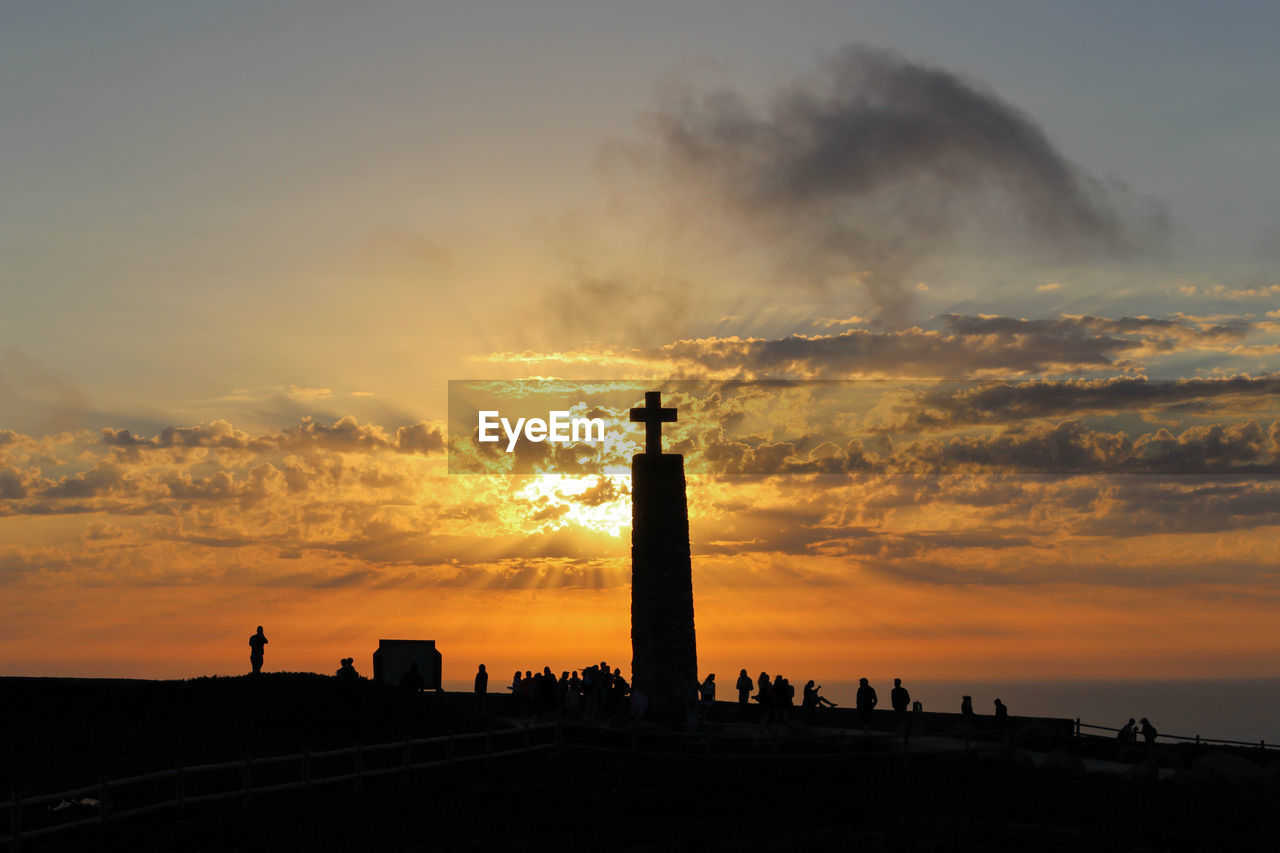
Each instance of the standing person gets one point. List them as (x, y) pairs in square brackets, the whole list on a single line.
[(966, 709), (412, 681), (765, 698), (900, 699), (482, 687), (708, 691), (257, 644), (1128, 734), (866, 701), (1002, 714), (1148, 732), (744, 692)]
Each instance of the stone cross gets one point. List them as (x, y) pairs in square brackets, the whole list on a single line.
[(653, 416)]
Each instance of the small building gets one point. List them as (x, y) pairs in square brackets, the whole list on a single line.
[(393, 657)]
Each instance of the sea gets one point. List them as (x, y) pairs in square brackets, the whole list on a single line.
[(1246, 710)]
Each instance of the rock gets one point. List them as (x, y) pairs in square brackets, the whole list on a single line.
[(1018, 758), (1222, 765), (1131, 754), (1036, 738), (1148, 769), (1064, 760)]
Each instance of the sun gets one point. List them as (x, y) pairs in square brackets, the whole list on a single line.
[(598, 502)]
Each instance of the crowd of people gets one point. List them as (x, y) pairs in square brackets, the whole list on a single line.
[(598, 693)]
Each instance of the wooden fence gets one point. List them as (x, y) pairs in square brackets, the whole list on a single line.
[(182, 784), (1258, 744)]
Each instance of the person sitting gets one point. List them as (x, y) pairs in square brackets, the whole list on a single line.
[(347, 671), (812, 700), (1148, 732)]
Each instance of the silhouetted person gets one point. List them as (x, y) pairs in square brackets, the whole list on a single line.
[(412, 680), (482, 686), (1148, 732), (744, 686), (257, 645), (765, 697), (1128, 734), (866, 702), (347, 672), (618, 701), (900, 698), (708, 691), (1002, 714), (778, 693), (812, 700)]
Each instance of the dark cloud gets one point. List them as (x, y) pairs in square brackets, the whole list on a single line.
[(344, 435), (995, 403), (969, 346), (879, 161)]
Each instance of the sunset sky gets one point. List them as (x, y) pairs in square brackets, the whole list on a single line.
[(247, 245)]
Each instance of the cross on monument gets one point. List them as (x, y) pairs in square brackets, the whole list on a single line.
[(653, 416)]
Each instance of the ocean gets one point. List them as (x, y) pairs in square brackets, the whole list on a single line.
[(1228, 709)]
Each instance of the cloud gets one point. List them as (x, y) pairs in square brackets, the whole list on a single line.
[(878, 161), (997, 403), (344, 435), (969, 346)]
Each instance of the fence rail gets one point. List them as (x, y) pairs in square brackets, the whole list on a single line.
[(181, 775), (1260, 744)]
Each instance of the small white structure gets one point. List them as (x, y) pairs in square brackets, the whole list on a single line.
[(394, 657)]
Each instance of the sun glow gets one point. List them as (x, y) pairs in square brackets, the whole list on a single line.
[(600, 503)]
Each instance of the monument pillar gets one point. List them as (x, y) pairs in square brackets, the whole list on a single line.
[(664, 661)]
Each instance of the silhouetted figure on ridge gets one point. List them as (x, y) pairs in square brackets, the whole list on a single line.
[(812, 700), (866, 701), (966, 709), (744, 686), (1129, 733), (1149, 732), (1002, 714), (708, 691), (347, 671), (900, 699), (482, 687), (779, 694), (257, 646), (765, 697), (412, 680)]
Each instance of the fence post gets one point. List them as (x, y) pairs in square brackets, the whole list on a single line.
[(103, 803)]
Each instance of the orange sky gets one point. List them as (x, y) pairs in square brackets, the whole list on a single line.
[(249, 255)]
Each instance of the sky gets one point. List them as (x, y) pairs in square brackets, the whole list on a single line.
[(1020, 263)]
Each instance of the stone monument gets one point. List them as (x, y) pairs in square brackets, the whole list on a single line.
[(664, 661)]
